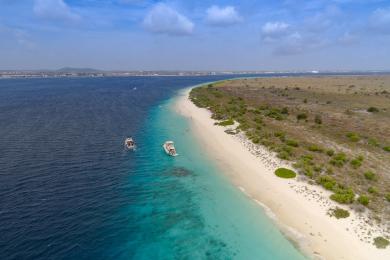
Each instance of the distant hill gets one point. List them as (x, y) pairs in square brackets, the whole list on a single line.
[(77, 70)]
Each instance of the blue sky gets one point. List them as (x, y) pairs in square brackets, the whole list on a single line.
[(195, 35)]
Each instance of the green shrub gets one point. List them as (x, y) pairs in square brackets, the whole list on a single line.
[(285, 152), (258, 120), (327, 182), (292, 143), (388, 197), (369, 175), (256, 140), (329, 170), (338, 213), (301, 116), (284, 111), (386, 148), (373, 110), (339, 159), (373, 142), (317, 168), (281, 135), (330, 152), (308, 171), (343, 195), (305, 161), (285, 173), (283, 155), (226, 122), (353, 137), (263, 107), (364, 200), (372, 190), (356, 163), (217, 94), (274, 113), (317, 119), (381, 242), (244, 126), (287, 149), (315, 148), (307, 157)]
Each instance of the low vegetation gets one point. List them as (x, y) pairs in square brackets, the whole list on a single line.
[(372, 190), (343, 195), (285, 173), (353, 137), (338, 213), (301, 116), (357, 162), (318, 119), (292, 143), (339, 159), (330, 152), (373, 110), (317, 124), (369, 175), (364, 200), (315, 148), (226, 122), (381, 242)]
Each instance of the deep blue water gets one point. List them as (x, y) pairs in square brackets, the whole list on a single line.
[(68, 189)]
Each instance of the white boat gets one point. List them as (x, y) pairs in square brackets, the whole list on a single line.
[(129, 143), (170, 148)]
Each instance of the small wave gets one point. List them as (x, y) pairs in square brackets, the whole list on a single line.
[(267, 210)]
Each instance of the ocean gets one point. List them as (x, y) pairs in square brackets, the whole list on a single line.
[(69, 189)]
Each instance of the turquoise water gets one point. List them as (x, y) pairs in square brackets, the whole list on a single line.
[(197, 213), (69, 190)]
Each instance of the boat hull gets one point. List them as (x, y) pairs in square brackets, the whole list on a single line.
[(166, 149), (129, 144)]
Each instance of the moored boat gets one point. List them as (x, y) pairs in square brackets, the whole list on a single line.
[(129, 143), (169, 148)]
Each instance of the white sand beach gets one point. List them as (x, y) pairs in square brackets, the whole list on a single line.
[(299, 209)]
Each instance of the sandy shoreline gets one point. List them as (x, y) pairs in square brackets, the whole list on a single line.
[(298, 208)]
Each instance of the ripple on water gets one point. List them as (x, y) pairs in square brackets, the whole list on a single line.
[(64, 175)]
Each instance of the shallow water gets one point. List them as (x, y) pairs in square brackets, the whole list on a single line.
[(68, 189)]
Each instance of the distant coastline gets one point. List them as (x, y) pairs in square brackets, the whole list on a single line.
[(91, 73)]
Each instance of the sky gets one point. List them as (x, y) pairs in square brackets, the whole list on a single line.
[(195, 35)]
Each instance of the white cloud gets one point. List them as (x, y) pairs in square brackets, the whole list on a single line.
[(317, 23), (323, 20), (380, 20), (291, 44), (274, 30), (166, 20), (222, 16), (285, 39), (297, 43), (55, 10)]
